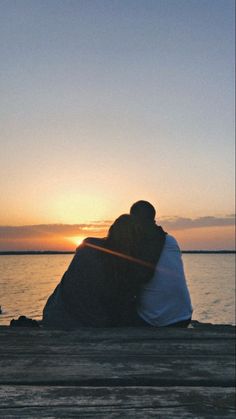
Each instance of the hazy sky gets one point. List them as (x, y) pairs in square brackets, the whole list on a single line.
[(107, 102)]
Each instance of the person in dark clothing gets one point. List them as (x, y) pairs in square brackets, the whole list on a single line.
[(102, 284)]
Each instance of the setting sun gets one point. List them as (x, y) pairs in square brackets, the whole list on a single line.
[(77, 240)]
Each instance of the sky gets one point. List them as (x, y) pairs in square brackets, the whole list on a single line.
[(105, 102)]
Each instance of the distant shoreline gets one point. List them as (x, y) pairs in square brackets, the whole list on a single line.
[(55, 252)]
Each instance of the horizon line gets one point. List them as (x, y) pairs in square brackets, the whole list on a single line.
[(56, 252)]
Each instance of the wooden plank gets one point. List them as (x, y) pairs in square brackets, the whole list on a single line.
[(124, 334), (183, 341), (30, 342), (176, 349), (107, 369), (177, 362), (27, 345), (138, 402), (120, 356)]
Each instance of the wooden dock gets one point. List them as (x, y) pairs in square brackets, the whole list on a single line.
[(117, 373)]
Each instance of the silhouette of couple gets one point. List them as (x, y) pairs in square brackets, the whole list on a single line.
[(133, 277)]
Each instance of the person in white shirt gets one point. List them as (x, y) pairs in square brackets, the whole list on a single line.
[(165, 299)]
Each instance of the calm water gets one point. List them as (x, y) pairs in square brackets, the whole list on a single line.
[(26, 282)]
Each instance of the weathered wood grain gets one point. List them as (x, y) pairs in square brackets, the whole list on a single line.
[(117, 369), (117, 373), (137, 333), (124, 341), (177, 347), (140, 402), (117, 357)]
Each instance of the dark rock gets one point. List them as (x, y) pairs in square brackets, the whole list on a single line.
[(24, 321)]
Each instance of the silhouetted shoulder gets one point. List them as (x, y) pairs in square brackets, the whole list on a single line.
[(94, 240), (89, 246), (171, 242)]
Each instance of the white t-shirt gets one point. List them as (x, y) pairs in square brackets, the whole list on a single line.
[(165, 299)]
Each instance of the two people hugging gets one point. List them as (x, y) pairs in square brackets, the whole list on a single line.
[(132, 277)]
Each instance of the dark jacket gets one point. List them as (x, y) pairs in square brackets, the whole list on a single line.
[(83, 297), (100, 289)]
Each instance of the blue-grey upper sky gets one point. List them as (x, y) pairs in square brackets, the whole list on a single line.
[(104, 102)]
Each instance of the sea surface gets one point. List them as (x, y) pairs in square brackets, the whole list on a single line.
[(26, 281)]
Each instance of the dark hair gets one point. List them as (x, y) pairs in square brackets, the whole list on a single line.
[(124, 235), (143, 210), (129, 269)]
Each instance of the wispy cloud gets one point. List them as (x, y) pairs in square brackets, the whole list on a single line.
[(101, 227), (181, 223), (43, 230)]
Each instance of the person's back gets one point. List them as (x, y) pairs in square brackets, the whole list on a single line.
[(82, 297), (165, 299), (99, 288)]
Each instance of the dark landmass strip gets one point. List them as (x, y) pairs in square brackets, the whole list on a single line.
[(209, 251), (55, 252), (35, 252)]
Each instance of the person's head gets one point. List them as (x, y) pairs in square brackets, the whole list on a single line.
[(125, 236), (125, 233), (143, 210)]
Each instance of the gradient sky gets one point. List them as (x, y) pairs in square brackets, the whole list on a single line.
[(107, 102)]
